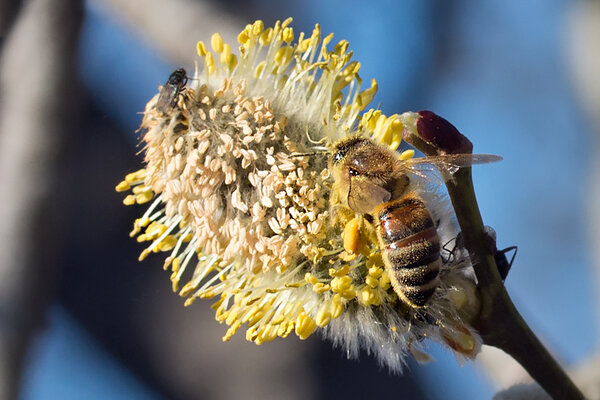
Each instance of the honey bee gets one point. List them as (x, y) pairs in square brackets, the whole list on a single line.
[(372, 181), (169, 92)]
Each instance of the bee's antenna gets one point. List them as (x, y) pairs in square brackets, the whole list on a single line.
[(312, 153)]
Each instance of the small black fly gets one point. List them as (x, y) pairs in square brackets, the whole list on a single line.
[(167, 99)]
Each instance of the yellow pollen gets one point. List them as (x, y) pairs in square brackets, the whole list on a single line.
[(129, 200), (351, 236), (201, 48), (266, 37), (210, 63), (288, 35), (406, 154), (323, 316), (305, 326), (122, 186), (216, 42)]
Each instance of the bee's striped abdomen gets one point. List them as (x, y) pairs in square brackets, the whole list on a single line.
[(410, 248)]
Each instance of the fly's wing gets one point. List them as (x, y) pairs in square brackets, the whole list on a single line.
[(165, 98), (364, 195)]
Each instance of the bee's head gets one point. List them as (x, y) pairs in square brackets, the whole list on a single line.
[(346, 146)]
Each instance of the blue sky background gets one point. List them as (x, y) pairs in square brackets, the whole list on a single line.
[(495, 69)]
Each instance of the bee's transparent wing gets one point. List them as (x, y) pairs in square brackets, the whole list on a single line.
[(449, 163)]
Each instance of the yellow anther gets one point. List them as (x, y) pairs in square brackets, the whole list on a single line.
[(135, 231), (268, 334), (341, 47), (375, 271), (216, 42), (406, 154), (266, 37), (129, 200), (305, 326), (167, 262), (384, 281), (350, 69), (320, 287), (285, 329), (221, 314), (142, 238), (136, 176), (323, 316), (243, 37), (371, 119), (251, 334), (253, 315), (283, 55), (257, 27), (144, 197), (187, 289), (351, 236), (231, 331), (142, 222), (371, 281), (366, 96), (310, 278), (278, 319), (207, 294), (316, 33), (143, 254), (396, 130), (209, 60), (176, 264), (259, 69), (189, 301), (337, 306), (286, 22), (369, 297), (168, 243), (140, 189), (122, 186), (288, 35), (201, 48), (339, 272), (225, 53), (232, 62), (232, 317), (375, 260), (304, 45), (340, 284), (154, 230), (174, 282)]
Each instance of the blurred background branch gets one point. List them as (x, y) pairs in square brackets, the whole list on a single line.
[(36, 110)]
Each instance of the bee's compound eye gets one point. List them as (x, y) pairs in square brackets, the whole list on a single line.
[(353, 172)]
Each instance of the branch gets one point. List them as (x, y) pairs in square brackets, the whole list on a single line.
[(499, 322)]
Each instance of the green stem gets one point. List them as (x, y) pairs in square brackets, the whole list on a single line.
[(499, 322)]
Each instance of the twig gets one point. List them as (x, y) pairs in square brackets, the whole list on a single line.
[(499, 322)]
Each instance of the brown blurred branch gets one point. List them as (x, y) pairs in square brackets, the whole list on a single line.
[(175, 26), (36, 65)]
